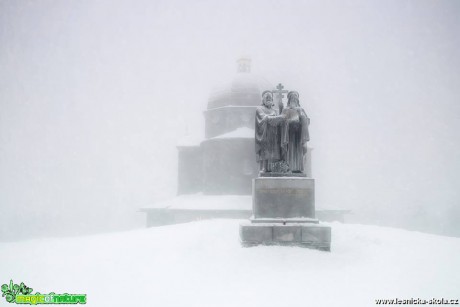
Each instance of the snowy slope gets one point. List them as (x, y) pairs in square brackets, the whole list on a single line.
[(202, 264)]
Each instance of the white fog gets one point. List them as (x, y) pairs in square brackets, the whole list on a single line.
[(95, 96)]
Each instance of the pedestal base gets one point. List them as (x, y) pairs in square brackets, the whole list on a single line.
[(284, 214), (299, 234)]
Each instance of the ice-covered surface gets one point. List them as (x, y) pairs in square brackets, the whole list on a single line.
[(202, 264), (242, 132)]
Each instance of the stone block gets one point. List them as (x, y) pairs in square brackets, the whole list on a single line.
[(287, 233), (283, 197), (256, 235), (316, 234), (304, 235)]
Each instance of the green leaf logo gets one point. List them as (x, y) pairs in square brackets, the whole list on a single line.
[(10, 298), (10, 291), (4, 288)]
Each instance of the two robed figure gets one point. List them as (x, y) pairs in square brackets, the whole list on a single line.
[(281, 139)]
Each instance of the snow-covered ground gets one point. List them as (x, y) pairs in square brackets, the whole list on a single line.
[(203, 264)]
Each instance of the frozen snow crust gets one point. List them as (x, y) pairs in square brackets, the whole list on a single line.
[(203, 264)]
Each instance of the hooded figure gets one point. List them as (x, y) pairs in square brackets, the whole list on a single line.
[(294, 134), (267, 134)]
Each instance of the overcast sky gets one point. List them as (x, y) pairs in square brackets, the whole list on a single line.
[(94, 95)]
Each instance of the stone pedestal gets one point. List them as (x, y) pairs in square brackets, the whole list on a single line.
[(284, 214), (283, 197)]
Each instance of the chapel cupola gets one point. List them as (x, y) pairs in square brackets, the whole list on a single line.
[(244, 64)]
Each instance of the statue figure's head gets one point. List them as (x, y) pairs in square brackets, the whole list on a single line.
[(267, 99), (293, 99)]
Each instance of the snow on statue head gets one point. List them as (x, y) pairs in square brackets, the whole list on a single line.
[(267, 99), (293, 99)]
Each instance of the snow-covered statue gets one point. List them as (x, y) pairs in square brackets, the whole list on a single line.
[(281, 139), (268, 134), (294, 133)]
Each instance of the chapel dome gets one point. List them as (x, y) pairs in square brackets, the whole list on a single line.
[(244, 90)]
